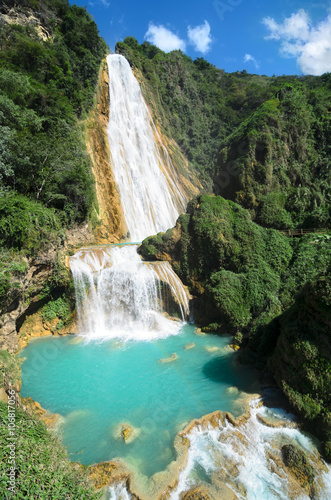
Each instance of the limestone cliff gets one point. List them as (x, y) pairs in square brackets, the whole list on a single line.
[(111, 225)]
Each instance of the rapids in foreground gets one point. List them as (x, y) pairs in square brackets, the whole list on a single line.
[(134, 401)]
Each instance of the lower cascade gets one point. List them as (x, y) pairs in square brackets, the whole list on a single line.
[(119, 296)]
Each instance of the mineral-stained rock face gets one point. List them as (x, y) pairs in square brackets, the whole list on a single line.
[(196, 494), (32, 283), (24, 17), (111, 227), (101, 473), (50, 419)]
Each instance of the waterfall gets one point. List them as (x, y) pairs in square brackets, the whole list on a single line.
[(120, 296), (150, 196), (117, 294)]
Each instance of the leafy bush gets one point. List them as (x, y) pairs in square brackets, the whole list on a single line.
[(27, 225), (60, 308), (12, 268)]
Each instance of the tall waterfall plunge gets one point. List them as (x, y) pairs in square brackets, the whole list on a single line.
[(150, 197), (117, 294)]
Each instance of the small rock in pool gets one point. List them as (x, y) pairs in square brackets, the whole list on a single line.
[(212, 349), (232, 390), (126, 432), (190, 346), (171, 358)]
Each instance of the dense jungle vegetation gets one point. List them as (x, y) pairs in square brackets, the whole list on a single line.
[(48, 74), (50, 56), (277, 163), (263, 142)]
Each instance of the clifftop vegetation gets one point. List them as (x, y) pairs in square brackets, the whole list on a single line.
[(277, 162), (50, 54)]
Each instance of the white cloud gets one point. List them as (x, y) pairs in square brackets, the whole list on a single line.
[(200, 37), (163, 38), (250, 58), (311, 45), (294, 27)]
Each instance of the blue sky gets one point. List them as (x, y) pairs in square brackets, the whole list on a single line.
[(264, 37)]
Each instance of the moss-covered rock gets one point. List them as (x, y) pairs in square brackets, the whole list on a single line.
[(301, 360), (232, 265), (296, 460)]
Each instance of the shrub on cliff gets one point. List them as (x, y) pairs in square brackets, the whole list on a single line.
[(27, 225)]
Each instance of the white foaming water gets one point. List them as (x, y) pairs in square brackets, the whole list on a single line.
[(150, 196), (119, 492), (167, 275), (119, 296), (247, 459)]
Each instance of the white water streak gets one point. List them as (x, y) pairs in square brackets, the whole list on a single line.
[(166, 274), (119, 492), (150, 196)]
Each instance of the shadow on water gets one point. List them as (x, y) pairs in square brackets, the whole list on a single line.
[(227, 371)]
